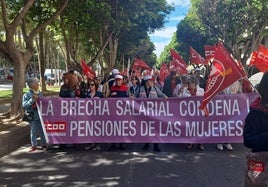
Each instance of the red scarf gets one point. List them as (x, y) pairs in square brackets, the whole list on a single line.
[(192, 91)]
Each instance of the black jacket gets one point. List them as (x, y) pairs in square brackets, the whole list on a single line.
[(256, 127)]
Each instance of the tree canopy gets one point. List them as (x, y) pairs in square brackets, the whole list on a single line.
[(240, 24), (101, 31)]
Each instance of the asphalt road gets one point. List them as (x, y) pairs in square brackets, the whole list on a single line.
[(174, 166)]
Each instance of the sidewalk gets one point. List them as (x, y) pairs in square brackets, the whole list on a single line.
[(13, 134)]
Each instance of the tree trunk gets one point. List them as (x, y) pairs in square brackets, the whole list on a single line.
[(113, 45), (42, 63), (18, 84)]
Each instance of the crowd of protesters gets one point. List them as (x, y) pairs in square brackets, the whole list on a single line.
[(116, 85)]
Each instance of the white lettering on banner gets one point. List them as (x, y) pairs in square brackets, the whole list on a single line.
[(248, 104), (148, 108), (147, 128), (48, 111), (216, 107), (172, 129), (214, 128), (56, 134), (102, 128), (84, 107)]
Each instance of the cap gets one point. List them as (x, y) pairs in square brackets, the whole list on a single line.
[(118, 76), (148, 77), (115, 71)]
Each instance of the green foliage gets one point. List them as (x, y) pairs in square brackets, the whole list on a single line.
[(165, 55), (130, 20), (235, 21)]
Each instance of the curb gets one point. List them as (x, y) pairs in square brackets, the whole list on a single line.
[(13, 138)]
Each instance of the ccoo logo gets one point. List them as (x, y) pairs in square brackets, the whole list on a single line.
[(55, 126)]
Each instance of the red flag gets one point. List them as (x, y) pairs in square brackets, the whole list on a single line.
[(195, 57), (209, 53), (178, 64), (124, 72), (140, 64), (224, 72), (173, 66), (88, 71), (259, 59), (164, 71), (253, 57)]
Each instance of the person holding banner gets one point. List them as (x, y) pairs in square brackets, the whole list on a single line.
[(255, 137), (170, 84), (93, 90), (193, 89), (69, 86), (67, 90), (29, 105), (149, 90), (133, 90), (181, 86), (235, 88), (109, 83), (117, 91)]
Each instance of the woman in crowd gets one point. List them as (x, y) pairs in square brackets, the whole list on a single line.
[(68, 90), (170, 83), (255, 136), (193, 89), (149, 90), (158, 83), (29, 105), (93, 90), (181, 86), (135, 88), (69, 86), (98, 82)]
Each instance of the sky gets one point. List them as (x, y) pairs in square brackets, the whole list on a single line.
[(162, 37)]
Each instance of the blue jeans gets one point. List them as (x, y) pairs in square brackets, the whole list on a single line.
[(36, 129)]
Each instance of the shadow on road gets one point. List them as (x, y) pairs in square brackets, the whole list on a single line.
[(174, 166)]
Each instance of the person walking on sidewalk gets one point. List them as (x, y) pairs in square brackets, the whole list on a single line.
[(29, 106)]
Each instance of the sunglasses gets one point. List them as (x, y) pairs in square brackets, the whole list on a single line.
[(92, 84)]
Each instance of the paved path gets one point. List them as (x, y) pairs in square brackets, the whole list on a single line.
[(174, 166), (7, 86)]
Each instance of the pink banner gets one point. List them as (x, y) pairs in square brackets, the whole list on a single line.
[(173, 120)]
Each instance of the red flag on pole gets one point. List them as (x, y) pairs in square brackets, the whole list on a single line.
[(259, 59), (195, 57), (140, 64), (224, 72), (88, 71), (164, 71), (178, 64), (209, 53)]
